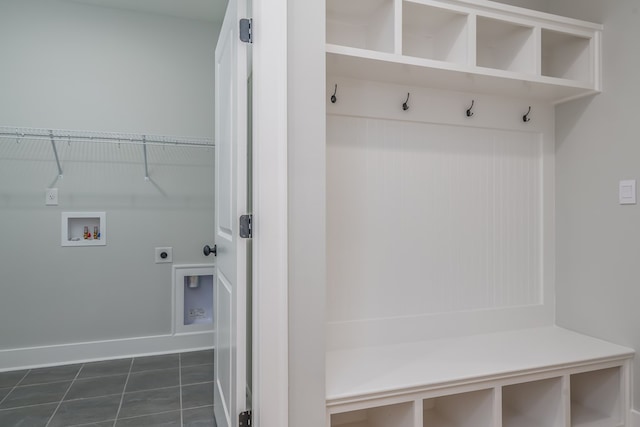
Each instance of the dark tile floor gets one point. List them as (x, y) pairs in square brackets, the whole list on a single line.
[(155, 391)]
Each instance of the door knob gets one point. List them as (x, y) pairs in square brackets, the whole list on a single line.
[(208, 250)]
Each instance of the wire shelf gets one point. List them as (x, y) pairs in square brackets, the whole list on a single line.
[(53, 136), (17, 134)]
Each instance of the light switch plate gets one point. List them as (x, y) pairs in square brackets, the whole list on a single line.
[(627, 192)]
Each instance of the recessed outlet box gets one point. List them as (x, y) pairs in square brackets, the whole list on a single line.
[(164, 255), (84, 229), (51, 197), (193, 298)]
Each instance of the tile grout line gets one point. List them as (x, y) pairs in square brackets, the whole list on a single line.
[(180, 389), (46, 383), (123, 391), (133, 417), (51, 403), (83, 369), (63, 396), (25, 376), (124, 373), (15, 386), (87, 424)]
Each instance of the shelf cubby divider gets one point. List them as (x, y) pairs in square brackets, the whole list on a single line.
[(566, 56), (364, 24), (504, 45), (434, 33)]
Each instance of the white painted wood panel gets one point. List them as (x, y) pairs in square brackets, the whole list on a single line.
[(425, 218)]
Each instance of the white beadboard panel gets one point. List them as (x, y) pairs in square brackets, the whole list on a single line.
[(427, 218)]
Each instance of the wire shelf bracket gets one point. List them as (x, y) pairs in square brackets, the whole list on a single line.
[(55, 153), (144, 152)]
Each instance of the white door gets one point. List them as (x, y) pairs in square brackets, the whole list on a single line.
[(230, 203)]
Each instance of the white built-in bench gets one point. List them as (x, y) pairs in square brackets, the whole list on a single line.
[(544, 377)]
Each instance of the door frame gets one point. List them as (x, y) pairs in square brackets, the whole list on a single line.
[(270, 205)]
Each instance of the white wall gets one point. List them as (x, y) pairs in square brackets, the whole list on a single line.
[(70, 66), (598, 240)]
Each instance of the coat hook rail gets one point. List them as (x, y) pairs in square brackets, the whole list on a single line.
[(55, 153)]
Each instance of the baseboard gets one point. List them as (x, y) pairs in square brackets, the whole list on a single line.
[(635, 418), (63, 354)]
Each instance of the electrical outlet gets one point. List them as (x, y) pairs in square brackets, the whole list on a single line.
[(164, 255), (51, 197)]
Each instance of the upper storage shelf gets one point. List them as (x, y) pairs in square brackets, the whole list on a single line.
[(475, 46)]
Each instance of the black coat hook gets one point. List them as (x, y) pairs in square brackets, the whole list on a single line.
[(405, 106), (469, 112), (526, 117), (333, 97)]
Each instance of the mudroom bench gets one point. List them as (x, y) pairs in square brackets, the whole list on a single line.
[(542, 377)]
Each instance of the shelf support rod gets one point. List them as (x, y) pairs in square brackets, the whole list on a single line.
[(55, 153), (144, 151)]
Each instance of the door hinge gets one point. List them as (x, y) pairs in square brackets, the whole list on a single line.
[(246, 230), (245, 30), (245, 419)]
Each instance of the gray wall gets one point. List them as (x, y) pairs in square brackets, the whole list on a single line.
[(598, 240), (307, 237), (70, 66)]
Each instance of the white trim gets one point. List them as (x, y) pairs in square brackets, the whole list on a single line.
[(634, 419), (64, 354), (270, 247)]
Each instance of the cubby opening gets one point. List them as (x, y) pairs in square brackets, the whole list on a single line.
[(566, 56), (533, 404), (505, 46), (460, 410), (399, 415), (434, 33), (596, 398), (364, 24)]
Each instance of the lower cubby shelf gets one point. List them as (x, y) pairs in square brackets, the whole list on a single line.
[(398, 415), (470, 409), (533, 404), (596, 398)]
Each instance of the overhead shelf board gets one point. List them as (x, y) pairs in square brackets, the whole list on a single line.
[(482, 47), (390, 68)]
